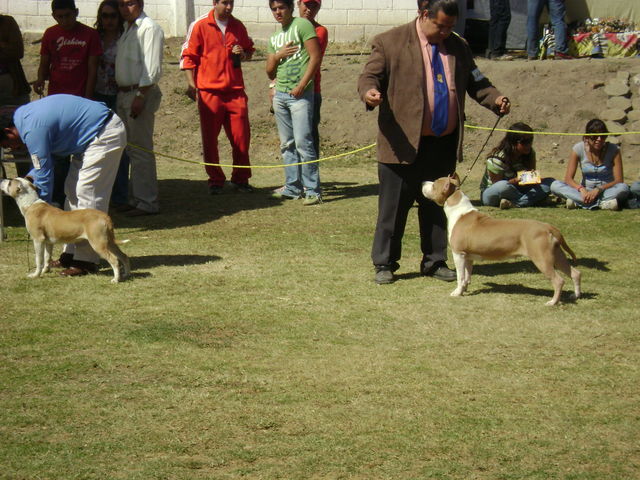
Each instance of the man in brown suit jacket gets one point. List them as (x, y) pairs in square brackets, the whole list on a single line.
[(399, 78)]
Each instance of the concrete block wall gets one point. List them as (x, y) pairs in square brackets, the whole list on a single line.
[(347, 20)]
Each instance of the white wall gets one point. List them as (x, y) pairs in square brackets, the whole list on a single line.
[(347, 20)]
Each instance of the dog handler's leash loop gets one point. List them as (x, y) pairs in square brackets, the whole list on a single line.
[(505, 100)]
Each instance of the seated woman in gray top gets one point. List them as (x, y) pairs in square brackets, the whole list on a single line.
[(600, 162)]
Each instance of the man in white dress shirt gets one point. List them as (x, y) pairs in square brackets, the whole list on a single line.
[(138, 70)]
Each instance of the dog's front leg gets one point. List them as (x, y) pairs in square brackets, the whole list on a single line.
[(461, 273), (48, 250), (39, 251)]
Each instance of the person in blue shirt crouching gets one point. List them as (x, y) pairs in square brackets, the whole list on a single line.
[(94, 137)]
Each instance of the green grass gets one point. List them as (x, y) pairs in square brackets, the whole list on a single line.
[(252, 342)]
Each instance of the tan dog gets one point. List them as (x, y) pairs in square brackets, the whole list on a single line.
[(474, 235), (49, 225)]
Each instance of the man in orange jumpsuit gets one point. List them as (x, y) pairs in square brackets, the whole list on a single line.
[(211, 59)]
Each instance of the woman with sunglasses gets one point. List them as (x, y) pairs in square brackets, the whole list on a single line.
[(501, 184), (109, 25), (600, 162)]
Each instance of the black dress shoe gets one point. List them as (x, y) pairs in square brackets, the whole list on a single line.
[(384, 277), (79, 268), (441, 272)]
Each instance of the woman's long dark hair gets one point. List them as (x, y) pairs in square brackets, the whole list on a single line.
[(108, 3), (509, 142)]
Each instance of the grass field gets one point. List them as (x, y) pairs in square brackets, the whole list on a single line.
[(252, 342)]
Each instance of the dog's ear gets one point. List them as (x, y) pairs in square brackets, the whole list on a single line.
[(455, 179)]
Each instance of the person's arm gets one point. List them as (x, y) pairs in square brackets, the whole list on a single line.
[(92, 75), (192, 90), (274, 59), (315, 57), (37, 142), (374, 74), (43, 74)]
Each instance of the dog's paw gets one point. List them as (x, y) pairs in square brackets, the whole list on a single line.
[(457, 292), (551, 303), (34, 275)]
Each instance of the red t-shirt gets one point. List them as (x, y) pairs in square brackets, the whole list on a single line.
[(209, 53), (323, 39), (69, 52)]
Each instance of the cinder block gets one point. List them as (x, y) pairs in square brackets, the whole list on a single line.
[(370, 31), (349, 34), (349, 4), (362, 17), (246, 14), (405, 5), (395, 17), (335, 17), (261, 31)]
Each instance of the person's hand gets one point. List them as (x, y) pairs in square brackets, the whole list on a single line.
[(503, 104), (238, 50), (286, 51), (297, 91), (589, 196), (192, 93), (38, 86), (373, 97), (137, 106)]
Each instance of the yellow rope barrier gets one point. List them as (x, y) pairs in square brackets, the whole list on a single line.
[(358, 150), (332, 157), (550, 133)]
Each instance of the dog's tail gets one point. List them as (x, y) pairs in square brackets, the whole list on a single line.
[(561, 241)]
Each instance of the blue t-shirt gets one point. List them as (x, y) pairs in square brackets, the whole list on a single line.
[(58, 125)]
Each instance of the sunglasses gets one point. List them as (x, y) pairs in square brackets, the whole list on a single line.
[(107, 16), (594, 137), (525, 141)]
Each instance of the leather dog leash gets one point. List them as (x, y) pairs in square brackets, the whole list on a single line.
[(500, 115)]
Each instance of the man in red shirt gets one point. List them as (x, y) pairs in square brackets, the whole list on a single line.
[(211, 55), (69, 54)]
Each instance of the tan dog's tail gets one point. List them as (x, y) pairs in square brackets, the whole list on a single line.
[(558, 236)]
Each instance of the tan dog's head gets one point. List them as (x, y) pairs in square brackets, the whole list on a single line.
[(20, 189), (441, 189)]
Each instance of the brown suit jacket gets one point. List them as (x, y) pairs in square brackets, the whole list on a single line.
[(396, 69)]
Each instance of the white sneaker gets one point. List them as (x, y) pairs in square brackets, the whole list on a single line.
[(610, 204), (570, 204), (505, 204)]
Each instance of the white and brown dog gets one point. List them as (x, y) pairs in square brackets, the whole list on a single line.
[(49, 225), (474, 235)]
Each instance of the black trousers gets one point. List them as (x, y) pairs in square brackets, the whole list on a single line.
[(400, 187), (498, 26)]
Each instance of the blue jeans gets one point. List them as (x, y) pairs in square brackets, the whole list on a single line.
[(294, 117), (317, 103), (519, 195), (557, 10), (619, 191)]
